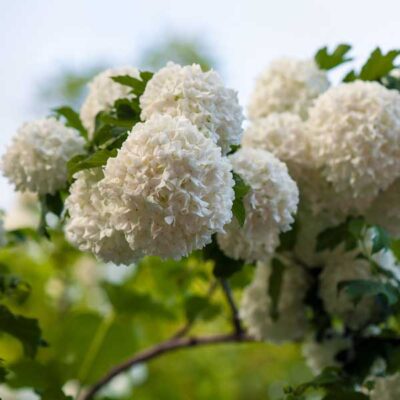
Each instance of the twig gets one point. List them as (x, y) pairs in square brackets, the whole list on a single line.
[(235, 313), (163, 348)]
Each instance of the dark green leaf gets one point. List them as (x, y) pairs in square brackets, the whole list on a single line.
[(26, 330), (288, 239), (14, 288), (331, 237), (395, 247), (52, 393), (350, 77), (391, 82), (275, 285), (378, 65), (72, 119), (138, 85), (241, 189), (3, 372), (380, 239), (357, 289), (97, 159), (200, 307), (327, 61)]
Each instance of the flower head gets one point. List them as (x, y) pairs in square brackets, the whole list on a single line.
[(37, 159), (199, 96)]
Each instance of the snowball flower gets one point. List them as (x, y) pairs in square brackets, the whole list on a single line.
[(287, 85), (88, 227), (37, 159), (270, 205), (354, 129), (103, 92), (386, 388), (199, 96), (320, 355), (255, 308), (170, 187), (342, 267), (385, 209)]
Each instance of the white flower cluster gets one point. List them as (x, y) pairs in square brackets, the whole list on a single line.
[(37, 159), (287, 85), (386, 388), (270, 206), (340, 267), (170, 188), (255, 308), (89, 226), (354, 131), (199, 96), (323, 354), (103, 92)]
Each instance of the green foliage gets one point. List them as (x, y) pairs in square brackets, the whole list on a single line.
[(26, 330), (200, 307), (327, 61), (376, 67), (275, 286), (380, 239), (288, 239), (137, 85), (49, 203), (240, 189), (72, 118)]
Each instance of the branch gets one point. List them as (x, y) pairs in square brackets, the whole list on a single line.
[(163, 348), (235, 313)]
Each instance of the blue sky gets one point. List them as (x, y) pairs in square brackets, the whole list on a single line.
[(39, 37)]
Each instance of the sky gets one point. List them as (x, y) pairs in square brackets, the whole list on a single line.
[(40, 37)]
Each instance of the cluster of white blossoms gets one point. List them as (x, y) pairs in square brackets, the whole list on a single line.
[(343, 266), (287, 85), (199, 96), (103, 92), (37, 158), (255, 309), (354, 131), (270, 206), (323, 354), (170, 188), (386, 387)]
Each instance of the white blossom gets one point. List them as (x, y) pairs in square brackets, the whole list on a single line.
[(354, 130), (386, 387), (199, 96), (89, 226), (170, 188), (37, 158), (343, 266), (103, 92), (255, 309), (270, 205), (323, 354), (287, 85)]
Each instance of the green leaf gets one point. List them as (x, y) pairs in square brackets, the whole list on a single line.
[(358, 289), (26, 330), (138, 85), (327, 61), (97, 159), (391, 82), (395, 247), (130, 302), (331, 237), (3, 372), (200, 307), (240, 189), (378, 65), (288, 239), (275, 285), (52, 393), (350, 77), (380, 239), (73, 119), (14, 288), (224, 267)]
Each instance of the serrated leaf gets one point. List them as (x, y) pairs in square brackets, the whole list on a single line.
[(378, 65), (327, 61), (358, 289), (240, 189), (275, 286), (380, 239), (73, 119), (26, 330), (97, 159)]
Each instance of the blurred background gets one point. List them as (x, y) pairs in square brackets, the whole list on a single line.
[(50, 49)]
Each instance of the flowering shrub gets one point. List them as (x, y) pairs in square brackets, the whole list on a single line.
[(154, 170)]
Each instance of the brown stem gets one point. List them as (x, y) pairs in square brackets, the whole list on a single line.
[(235, 313), (163, 348)]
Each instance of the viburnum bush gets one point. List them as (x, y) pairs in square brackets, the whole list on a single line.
[(156, 168)]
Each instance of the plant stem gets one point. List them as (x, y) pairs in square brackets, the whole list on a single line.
[(163, 348), (235, 313)]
